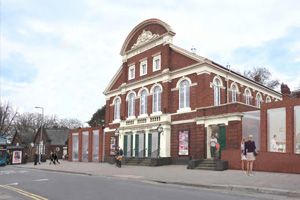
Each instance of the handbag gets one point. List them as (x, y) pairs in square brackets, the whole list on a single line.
[(217, 146), (255, 152)]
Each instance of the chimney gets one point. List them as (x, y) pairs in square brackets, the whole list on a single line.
[(285, 91)]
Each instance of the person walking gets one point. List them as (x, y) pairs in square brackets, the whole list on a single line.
[(56, 157), (243, 157), (213, 141), (50, 156), (248, 152), (36, 158)]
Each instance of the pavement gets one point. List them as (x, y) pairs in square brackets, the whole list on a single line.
[(262, 182)]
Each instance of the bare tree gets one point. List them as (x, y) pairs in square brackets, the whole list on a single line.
[(7, 116), (70, 123), (263, 76)]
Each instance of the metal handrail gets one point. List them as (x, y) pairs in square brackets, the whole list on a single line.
[(141, 153), (128, 154), (154, 154)]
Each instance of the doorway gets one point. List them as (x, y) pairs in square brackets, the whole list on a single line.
[(221, 131)]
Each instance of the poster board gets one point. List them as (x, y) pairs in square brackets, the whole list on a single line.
[(17, 157), (112, 146), (183, 143)]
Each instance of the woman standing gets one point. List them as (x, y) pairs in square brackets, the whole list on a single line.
[(243, 157), (249, 149), (213, 142)]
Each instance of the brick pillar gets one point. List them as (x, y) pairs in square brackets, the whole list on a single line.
[(90, 148), (289, 129), (123, 106), (70, 150), (107, 113), (263, 130), (285, 91), (165, 97), (100, 144)]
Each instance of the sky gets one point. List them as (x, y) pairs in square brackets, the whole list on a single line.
[(62, 54)]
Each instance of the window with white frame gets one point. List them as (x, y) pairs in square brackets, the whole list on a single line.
[(157, 100), (131, 72), (268, 100), (117, 108), (143, 103), (247, 97), (258, 100), (156, 63), (131, 105), (233, 93), (184, 94), (143, 68), (217, 95)]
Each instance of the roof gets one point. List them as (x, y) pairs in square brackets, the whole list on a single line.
[(58, 136), (27, 137)]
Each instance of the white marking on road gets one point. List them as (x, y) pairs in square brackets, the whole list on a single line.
[(22, 171), (7, 172), (42, 179), (13, 184)]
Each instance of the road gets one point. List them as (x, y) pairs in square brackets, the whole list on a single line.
[(31, 184)]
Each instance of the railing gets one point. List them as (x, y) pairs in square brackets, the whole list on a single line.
[(130, 122), (154, 154), (141, 121), (155, 119), (128, 154), (141, 153)]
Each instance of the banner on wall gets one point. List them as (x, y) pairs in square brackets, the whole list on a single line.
[(183, 143), (17, 157), (112, 146)]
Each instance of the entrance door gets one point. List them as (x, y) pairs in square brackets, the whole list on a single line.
[(125, 145), (222, 139), (131, 145), (136, 145), (149, 145)]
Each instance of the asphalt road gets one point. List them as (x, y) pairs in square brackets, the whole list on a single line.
[(18, 183)]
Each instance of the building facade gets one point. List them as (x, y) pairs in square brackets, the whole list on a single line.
[(190, 96)]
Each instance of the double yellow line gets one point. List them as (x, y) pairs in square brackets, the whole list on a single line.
[(28, 194)]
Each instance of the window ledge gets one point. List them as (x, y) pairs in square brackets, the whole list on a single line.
[(131, 118), (183, 110), (143, 116), (156, 113), (116, 121)]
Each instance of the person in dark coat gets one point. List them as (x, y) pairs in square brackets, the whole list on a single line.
[(56, 157), (248, 152), (36, 158)]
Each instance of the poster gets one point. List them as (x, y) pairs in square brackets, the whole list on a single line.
[(17, 157), (112, 146), (183, 143)]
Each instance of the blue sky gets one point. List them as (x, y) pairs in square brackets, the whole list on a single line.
[(62, 54)]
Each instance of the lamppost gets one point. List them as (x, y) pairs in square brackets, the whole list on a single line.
[(41, 133), (159, 131), (116, 135)]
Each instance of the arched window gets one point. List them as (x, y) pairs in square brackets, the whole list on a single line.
[(143, 103), (184, 94), (247, 96), (117, 108), (131, 105), (233, 93), (217, 95), (258, 100), (157, 99), (268, 100)]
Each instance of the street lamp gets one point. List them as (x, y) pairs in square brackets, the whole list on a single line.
[(116, 135), (159, 131), (41, 133)]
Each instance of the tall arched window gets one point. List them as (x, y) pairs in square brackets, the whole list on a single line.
[(117, 108), (157, 99), (131, 105), (233, 93), (143, 103), (217, 95), (247, 96), (184, 94), (258, 100)]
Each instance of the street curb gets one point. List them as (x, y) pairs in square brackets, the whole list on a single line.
[(237, 188)]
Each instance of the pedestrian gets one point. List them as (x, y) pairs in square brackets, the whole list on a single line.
[(56, 157), (53, 157), (248, 152), (8, 158), (50, 157), (36, 158), (217, 153), (213, 142), (117, 153), (243, 157), (25, 158)]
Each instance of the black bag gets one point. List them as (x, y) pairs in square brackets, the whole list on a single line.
[(255, 152)]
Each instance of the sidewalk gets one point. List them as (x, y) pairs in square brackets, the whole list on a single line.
[(261, 182)]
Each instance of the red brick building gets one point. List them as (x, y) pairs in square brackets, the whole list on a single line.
[(86, 144), (189, 95)]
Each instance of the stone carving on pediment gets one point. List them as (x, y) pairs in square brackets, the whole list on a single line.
[(145, 37)]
